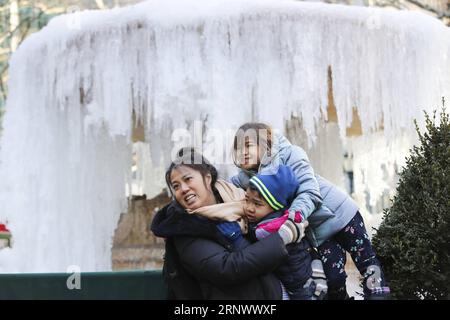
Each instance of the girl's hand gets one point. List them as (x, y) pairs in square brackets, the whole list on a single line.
[(292, 232)]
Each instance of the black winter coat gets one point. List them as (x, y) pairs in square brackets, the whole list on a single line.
[(296, 269), (207, 257)]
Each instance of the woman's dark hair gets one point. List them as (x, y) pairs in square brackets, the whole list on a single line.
[(261, 132), (189, 157)]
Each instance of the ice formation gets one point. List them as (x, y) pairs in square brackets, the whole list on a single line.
[(66, 147)]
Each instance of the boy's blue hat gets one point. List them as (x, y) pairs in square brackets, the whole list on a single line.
[(276, 188)]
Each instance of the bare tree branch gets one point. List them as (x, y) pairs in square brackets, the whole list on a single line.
[(22, 22), (440, 14), (14, 21), (100, 4), (2, 89)]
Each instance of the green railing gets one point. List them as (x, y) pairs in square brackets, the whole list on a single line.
[(136, 285)]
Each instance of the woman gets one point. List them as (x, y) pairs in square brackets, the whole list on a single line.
[(199, 262)]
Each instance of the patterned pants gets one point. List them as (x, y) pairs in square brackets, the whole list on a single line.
[(355, 240)]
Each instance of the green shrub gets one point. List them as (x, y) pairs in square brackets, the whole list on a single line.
[(413, 241)]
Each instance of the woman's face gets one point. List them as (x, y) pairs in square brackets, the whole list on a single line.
[(249, 156), (189, 188)]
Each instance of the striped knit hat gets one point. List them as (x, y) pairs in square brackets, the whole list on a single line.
[(278, 188)]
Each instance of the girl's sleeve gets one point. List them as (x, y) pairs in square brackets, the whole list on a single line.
[(235, 180), (307, 198), (240, 180)]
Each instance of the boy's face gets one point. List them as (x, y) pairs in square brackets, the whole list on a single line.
[(249, 158), (255, 207)]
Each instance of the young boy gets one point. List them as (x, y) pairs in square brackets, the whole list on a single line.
[(266, 200)]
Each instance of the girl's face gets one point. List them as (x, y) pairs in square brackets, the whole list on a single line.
[(191, 190), (249, 157), (255, 207)]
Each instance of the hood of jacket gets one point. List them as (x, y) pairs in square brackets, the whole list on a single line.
[(280, 147)]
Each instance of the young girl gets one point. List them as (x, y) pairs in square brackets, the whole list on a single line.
[(335, 224)]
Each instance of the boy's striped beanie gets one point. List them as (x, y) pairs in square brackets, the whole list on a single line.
[(278, 188)]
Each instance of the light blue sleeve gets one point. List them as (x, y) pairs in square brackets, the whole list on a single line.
[(240, 180), (235, 180), (308, 197)]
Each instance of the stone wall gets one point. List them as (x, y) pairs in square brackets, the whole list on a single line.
[(134, 245)]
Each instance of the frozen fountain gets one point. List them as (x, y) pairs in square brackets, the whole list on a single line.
[(76, 86)]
